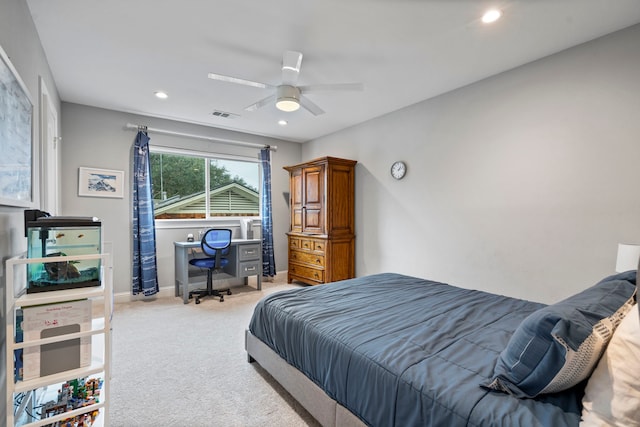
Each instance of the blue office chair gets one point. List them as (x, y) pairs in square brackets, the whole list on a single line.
[(215, 245)]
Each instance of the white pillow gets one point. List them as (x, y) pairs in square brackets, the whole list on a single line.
[(612, 395)]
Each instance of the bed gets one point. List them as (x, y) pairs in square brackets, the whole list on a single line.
[(395, 350)]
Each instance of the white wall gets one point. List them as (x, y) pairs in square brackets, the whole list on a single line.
[(521, 184), (95, 137)]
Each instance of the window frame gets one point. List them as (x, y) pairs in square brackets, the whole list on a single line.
[(208, 156)]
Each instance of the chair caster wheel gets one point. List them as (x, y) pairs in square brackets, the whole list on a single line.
[(228, 292), (197, 300), (221, 298)]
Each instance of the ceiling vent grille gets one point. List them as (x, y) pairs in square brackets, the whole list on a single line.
[(224, 114)]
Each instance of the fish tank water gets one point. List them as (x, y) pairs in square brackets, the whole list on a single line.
[(52, 236)]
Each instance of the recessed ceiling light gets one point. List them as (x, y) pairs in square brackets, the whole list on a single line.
[(491, 16), (282, 122), (161, 95)]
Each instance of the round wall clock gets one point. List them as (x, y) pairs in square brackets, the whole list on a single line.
[(398, 170)]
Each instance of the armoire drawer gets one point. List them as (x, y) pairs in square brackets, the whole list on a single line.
[(308, 272), (316, 245), (294, 242), (306, 244), (307, 258)]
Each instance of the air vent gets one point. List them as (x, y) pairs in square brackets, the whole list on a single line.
[(224, 114)]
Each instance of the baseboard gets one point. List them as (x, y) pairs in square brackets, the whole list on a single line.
[(121, 297), (169, 291)]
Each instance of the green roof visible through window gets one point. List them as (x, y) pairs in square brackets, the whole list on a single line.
[(180, 191)]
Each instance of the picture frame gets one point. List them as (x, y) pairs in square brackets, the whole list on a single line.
[(16, 137), (93, 182)]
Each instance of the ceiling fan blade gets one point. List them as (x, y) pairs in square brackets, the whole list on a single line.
[(291, 62), (269, 99), (310, 106), (331, 87), (229, 79)]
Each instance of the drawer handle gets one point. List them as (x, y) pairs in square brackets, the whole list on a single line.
[(318, 261), (251, 252), (251, 268), (316, 275)]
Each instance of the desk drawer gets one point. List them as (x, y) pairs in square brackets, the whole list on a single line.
[(249, 268), (249, 252)]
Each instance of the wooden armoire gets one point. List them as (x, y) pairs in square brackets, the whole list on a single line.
[(322, 231)]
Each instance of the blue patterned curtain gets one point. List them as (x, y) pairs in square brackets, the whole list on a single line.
[(268, 260), (145, 273)]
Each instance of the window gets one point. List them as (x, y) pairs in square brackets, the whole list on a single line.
[(189, 186)]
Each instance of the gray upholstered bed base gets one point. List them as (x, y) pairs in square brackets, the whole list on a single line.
[(327, 411)]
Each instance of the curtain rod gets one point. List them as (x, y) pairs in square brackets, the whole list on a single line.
[(208, 138)]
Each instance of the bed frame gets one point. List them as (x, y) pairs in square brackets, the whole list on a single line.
[(324, 409)]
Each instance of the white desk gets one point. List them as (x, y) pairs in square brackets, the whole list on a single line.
[(245, 259)]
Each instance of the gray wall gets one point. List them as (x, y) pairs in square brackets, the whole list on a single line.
[(95, 137), (20, 42), (521, 184)]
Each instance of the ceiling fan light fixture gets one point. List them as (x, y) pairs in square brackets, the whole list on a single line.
[(287, 104), (288, 95), (288, 98)]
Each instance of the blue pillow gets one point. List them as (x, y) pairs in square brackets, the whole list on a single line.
[(558, 346)]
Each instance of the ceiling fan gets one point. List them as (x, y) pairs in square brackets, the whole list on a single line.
[(288, 96)]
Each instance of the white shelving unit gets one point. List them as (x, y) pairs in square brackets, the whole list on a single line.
[(100, 327)]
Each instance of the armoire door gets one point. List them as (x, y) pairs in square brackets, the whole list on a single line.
[(296, 200), (313, 204)]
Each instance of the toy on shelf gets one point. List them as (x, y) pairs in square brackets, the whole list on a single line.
[(72, 395)]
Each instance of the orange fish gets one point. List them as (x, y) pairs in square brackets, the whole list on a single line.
[(80, 236), (59, 235)]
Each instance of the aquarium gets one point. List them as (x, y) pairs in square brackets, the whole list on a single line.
[(50, 236)]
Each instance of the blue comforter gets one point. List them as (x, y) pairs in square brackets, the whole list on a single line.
[(402, 351)]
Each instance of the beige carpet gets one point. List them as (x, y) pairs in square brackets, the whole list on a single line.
[(185, 365)]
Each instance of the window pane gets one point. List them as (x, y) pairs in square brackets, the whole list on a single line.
[(179, 189), (234, 188), (178, 185)]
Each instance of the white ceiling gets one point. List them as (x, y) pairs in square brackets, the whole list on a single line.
[(115, 54)]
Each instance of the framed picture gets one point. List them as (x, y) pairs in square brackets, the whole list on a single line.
[(16, 137), (100, 183)]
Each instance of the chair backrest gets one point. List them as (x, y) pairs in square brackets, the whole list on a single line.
[(214, 240)]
